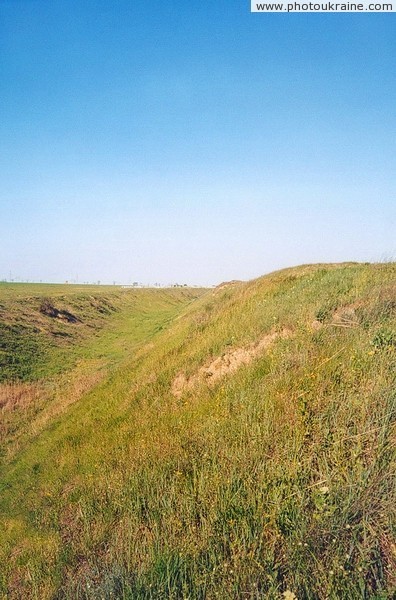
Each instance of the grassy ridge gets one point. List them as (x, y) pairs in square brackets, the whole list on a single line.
[(278, 478), (104, 327), (43, 328), (40, 324)]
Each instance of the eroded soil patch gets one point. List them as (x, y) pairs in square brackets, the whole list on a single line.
[(227, 363)]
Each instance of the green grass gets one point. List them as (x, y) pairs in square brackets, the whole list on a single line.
[(35, 342), (279, 477), (48, 371)]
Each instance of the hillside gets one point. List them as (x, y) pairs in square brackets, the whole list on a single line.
[(59, 341), (230, 443)]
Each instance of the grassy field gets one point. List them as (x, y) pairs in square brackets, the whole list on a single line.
[(58, 341), (43, 328), (237, 443)]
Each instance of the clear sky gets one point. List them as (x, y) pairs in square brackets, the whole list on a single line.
[(169, 141)]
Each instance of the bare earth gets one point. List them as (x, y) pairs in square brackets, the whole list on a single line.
[(226, 364)]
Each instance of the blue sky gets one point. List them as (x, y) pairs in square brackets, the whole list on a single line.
[(192, 141)]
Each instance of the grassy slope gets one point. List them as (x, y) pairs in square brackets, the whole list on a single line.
[(279, 477), (34, 344), (52, 362)]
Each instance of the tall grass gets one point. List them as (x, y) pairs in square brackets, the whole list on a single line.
[(278, 479)]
